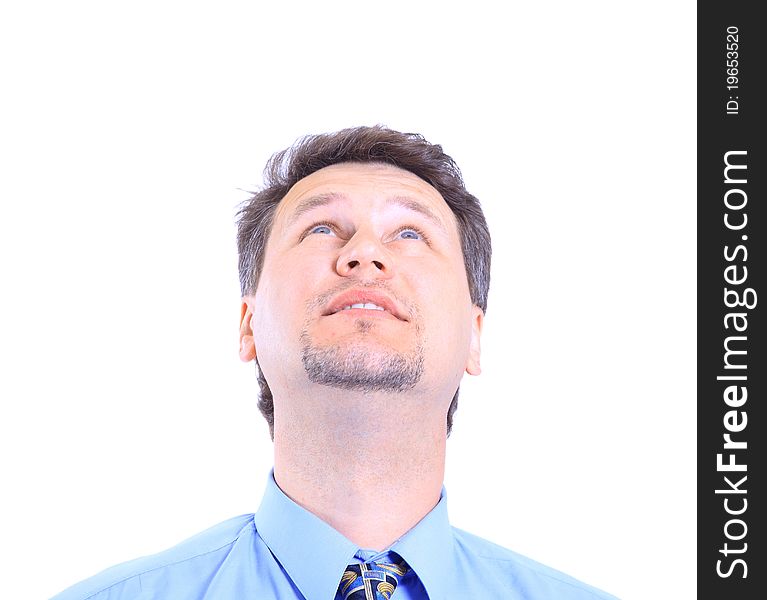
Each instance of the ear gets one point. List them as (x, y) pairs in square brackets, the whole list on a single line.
[(247, 343), (477, 317)]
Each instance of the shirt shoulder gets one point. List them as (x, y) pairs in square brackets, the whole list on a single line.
[(510, 570), (191, 561)]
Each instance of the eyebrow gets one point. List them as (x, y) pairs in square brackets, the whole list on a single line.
[(415, 206), (312, 202)]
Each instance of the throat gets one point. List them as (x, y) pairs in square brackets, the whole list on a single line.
[(372, 486)]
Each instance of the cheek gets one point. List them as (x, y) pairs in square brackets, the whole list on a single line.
[(451, 329), (280, 305), (446, 307), (292, 277)]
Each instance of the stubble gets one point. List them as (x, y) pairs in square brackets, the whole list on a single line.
[(362, 363)]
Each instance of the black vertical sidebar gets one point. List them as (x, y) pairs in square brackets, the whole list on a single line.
[(732, 300)]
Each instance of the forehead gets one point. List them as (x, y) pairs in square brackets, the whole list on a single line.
[(365, 185)]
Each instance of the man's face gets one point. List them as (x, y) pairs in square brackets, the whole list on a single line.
[(363, 287)]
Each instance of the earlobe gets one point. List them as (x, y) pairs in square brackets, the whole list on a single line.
[(472, 365), (247, 342)]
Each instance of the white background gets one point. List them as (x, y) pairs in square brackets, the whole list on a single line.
[(129, 129)]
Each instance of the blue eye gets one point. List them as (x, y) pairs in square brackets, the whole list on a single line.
[(324, 229), (409, 234)]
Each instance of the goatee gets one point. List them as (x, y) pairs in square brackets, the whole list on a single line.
[(362, 364)]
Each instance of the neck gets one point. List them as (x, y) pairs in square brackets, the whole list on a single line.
[(371, 474)]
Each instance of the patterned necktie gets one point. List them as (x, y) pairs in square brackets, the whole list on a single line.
[(371, 580)]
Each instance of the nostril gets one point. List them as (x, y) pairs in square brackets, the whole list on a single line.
[(353, 263), (379, 265)]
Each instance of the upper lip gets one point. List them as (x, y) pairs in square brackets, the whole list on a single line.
[(350, 297)]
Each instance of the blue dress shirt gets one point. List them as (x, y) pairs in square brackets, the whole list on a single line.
[(286, 552)]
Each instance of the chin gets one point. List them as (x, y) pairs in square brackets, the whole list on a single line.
[(363, 365)]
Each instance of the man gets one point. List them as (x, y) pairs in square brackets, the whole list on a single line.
[(364, 267)]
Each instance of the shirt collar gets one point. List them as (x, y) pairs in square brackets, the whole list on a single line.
[(428, 549), (315, 555)]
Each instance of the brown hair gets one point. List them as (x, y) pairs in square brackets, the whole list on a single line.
[(409, 151)]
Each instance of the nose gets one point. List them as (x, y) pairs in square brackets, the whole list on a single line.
[(365, 256)]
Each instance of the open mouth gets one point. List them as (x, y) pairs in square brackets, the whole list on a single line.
[(363, 305), (372, 303)]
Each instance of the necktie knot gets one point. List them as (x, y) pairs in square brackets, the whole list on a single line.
[(372, 580)]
